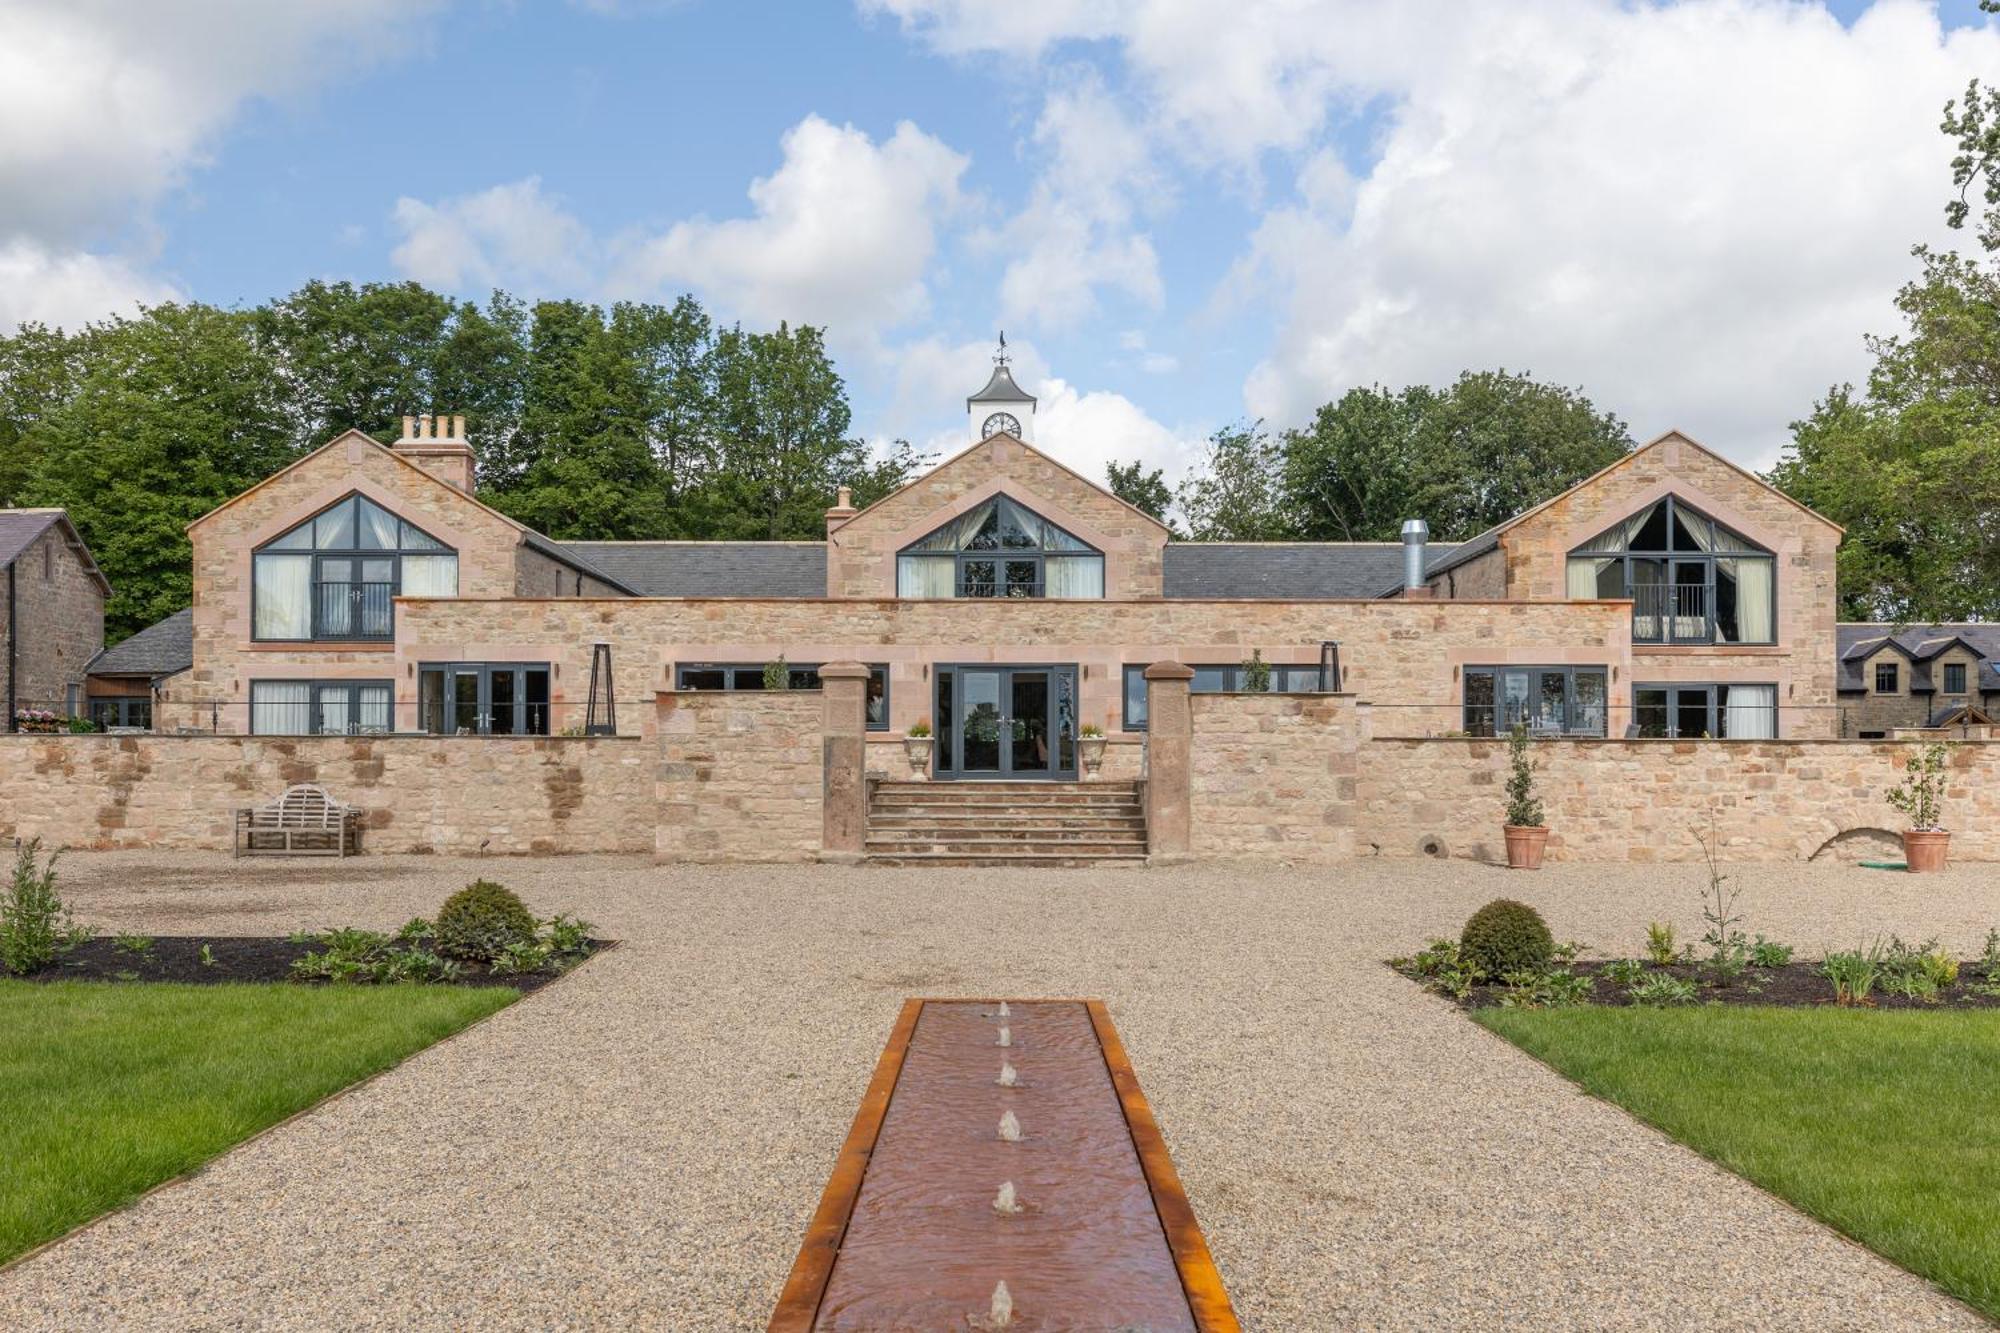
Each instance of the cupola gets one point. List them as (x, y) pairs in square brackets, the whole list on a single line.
[(1002, 407)]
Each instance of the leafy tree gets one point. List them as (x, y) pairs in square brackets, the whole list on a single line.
[(1462, 458), (1139, 488), (39, 367), (1234, 494), (175, 411)]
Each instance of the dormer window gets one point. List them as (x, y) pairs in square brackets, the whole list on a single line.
[(1000, 549), (1691, 580), (333, 577)]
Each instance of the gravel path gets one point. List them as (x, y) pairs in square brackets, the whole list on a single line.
[(641, 1146)]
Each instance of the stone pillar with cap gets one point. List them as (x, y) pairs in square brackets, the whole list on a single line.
[(1169, 760), (843, 749)]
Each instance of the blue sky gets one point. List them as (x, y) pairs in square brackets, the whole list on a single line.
[(1184, 212)]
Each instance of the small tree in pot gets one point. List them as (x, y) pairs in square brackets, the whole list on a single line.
[(1920, 799), (1525, 832)]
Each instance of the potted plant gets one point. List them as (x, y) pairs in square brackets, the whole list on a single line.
[(1920, 799), (1525, 832), (1256, 674), (917, 743), (778, 674), (1090, 749)]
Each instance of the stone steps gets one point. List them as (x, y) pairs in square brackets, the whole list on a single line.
[(1006, 823)]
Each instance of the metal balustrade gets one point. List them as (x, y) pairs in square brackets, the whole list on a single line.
[(1672, 613)]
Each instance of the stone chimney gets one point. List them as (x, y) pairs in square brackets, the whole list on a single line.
[(438, 446), (843, 509)]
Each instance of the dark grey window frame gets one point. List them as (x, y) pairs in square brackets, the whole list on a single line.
[(1571, 711), (1219, 678), (316, 554), (1673, 504), (999, 557), (312, 703), (804, 676), (122, 706), (1716, 707), (1949, 669), (524, 713), (1894, 676)]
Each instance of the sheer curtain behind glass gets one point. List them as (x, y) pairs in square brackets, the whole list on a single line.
[(430, 576), (284, 596), (926, 576), (280, 708), (1073, 576), (1750, 712)]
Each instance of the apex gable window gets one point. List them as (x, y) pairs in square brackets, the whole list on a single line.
[(333, 576), (1000, 549), (1691, 580)]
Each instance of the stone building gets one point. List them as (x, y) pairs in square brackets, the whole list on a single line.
[(1916, 677), (51, 612), (1011, 604)]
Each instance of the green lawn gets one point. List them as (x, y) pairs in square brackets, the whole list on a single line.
[(1883, 1125), (108, 1089)]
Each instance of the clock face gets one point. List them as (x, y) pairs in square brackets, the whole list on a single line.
[(1001, 423)]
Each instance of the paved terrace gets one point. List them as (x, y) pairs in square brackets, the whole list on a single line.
[(641, 1145)]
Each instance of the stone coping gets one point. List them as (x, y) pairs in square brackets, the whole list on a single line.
[(294, 740), (1740, 743)]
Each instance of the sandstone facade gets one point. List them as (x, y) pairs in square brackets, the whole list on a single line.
[(57, 614), (740, 776)]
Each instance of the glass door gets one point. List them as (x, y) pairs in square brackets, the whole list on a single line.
[(1030, 750), (1006, 722), (980, 723)]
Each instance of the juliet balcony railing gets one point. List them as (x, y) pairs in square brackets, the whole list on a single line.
[(353, 611), (1672, 613)]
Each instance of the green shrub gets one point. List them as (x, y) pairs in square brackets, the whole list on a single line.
[(1524, 808), (1506, 936), (1853, 975), (1769, 953), (1661, 943), (481, 921), (35, 926), (1622, 971), (1660, 991)]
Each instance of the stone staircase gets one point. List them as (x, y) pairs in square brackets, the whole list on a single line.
[(1006, 823)]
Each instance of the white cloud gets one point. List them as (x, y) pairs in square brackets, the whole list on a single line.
[(1694, 211), (512, 234), (106, 105), (70, 287), (841, 234), (1086, 430)]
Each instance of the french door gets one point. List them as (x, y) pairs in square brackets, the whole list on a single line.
[(1006, 722), (485, 699)]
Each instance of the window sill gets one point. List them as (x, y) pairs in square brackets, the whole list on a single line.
[(1698, 649), (320, 646)]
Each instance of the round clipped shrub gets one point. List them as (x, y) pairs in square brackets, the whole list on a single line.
[(1505, 936), (481, 921)]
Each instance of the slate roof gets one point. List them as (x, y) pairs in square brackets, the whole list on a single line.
[(20, 527), (710, 569), (1920, 644), (160, 649), (566, 553), (1297, 571)]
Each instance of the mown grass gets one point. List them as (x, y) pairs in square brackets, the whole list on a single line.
[(1885, 1126), (107, 1090)]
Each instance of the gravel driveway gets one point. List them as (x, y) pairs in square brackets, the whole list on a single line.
[(641, 1145)]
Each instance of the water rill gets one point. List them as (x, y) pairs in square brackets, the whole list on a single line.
[(1008, 1078), (1010, 1128), (1090, 1227), (1006, 1036)]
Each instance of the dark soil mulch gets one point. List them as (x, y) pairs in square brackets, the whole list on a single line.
[(1795, 985), (236, 958)]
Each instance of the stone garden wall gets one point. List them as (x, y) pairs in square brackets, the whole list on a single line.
[(422, 793), (1272, 776), (741, 775), (1644, 800)]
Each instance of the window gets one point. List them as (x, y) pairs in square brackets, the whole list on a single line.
[(125, 710), (48, 561), (1690, 579), (1285, 679), (484, 698), (1692, 712), (1954, 678), (1887, 677), (1549, 701), (745, 676), (334, 575), (321, 708), (1000, 549)]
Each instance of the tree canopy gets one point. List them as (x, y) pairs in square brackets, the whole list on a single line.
[(640, 421)]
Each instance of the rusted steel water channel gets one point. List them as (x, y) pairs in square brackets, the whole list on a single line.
[(918, 1230)]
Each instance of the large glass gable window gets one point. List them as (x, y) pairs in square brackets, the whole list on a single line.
[(334, 575), (1000, 549), (1691, 580)]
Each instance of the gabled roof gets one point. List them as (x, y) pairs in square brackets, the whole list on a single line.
[(1958, 715), (712, 569), (21, 528), (1920, 645), (1000, 388), (1291, 571), (529, 537), (164, 648), (1056, 463)]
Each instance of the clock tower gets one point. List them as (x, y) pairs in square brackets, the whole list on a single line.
[(1002, 407)]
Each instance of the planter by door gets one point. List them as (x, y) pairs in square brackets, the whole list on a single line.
[(1090, 749), (1924, 851), (1524, 847), (919, 750)]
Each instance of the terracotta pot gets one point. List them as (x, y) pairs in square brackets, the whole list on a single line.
[(919, 750), (1524, 847), (1090, 750), (1923, 850)]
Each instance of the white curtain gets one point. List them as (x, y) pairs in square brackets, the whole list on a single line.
[(333, 717), (378, 527), (377, 714), (280, 707), (1753, 599), (430, 576), (957, 534), (1751, 713), (926, 576), (1583, 579), (1076, 576), (284, 596)]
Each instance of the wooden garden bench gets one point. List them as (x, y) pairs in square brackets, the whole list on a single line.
[(305, 821)]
